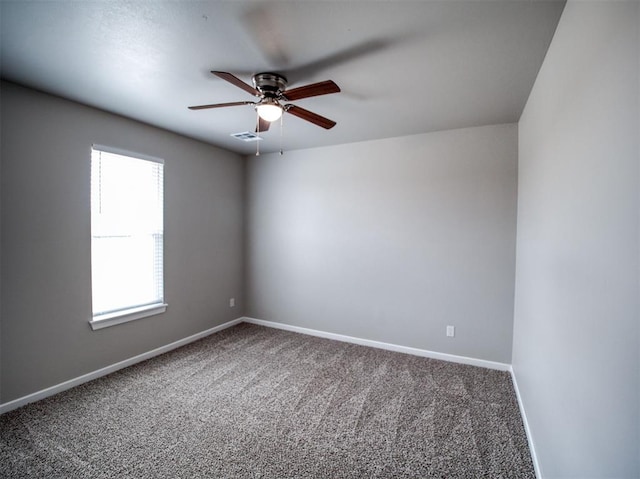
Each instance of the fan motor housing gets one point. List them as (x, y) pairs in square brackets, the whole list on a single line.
[(270, 84)]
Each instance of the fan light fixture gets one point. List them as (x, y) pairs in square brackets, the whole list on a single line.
[(271, 89), (269, 109)]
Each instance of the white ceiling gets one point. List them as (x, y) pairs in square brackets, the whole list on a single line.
[(404, 67)]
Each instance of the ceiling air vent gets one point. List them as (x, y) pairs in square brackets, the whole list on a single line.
[(246, 136)]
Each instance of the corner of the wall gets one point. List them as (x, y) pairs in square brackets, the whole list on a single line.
[(530, 441)]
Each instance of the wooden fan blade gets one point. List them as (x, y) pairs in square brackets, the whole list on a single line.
[(315, 89), (263, 125), (310, 116), (220, 105), (237, 82)]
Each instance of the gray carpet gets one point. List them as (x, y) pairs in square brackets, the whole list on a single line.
[(254, 402)]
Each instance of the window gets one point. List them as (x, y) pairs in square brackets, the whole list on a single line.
[(126, 236)]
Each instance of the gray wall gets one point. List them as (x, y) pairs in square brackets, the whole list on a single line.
[(576, 347), (46, 270), (389, 240)]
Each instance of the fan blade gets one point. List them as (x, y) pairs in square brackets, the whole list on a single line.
[(234, 80), (220, 105), (310, 116), (353, 53), (265, 24), (315, 89), (263, 125)]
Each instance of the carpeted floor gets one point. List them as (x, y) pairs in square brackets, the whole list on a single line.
[(254, 402)]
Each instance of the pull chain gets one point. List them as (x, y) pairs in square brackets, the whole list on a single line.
[(257, 131), (281, 135)]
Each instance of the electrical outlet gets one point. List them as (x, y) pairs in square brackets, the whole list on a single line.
[(232, 302), (451, 331)]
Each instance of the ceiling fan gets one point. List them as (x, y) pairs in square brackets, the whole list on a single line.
[(271, 89)]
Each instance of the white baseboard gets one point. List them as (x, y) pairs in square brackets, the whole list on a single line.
[(532, 448), (388, 346), (50, 391)]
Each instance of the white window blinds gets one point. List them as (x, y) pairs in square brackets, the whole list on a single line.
[(126, 232)]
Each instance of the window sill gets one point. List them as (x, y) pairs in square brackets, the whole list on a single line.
[(119, 317)]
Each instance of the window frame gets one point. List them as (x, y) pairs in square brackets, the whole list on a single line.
[(125, 315)]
